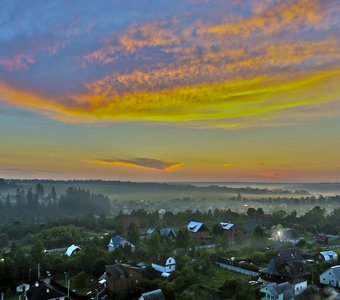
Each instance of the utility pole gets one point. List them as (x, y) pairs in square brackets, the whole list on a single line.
[(38, 271), (68, 288), (65, 279)]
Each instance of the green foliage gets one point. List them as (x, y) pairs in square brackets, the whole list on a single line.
[(37, 251), (258, 258), (81, 280), (60, 236), (182, 239), (4, 241), (234, 289), (77, 201), (133, 234)]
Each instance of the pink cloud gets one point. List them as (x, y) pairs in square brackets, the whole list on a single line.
[(19, 61)]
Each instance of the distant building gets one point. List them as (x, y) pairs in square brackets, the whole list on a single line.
[(232, 230), (72, 249), (122, 277), (164, 264), (331, 276), (153, 295), (198, 231), (119, 241), (167, 232)]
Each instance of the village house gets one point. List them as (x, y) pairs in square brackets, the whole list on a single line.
[(167, 232), (331, 276), (164, 264), (287, 265), (120, 242), (198, 231), (283, 291), (232, 230), (122, 277), (326, 256)]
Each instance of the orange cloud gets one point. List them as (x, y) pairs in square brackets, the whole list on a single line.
[(149, 163)]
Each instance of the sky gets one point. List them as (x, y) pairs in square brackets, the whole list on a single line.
[(170, 90)]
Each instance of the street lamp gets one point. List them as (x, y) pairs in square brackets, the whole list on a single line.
[(96, 294), (65, 279)]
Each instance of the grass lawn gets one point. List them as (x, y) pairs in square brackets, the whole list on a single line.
[(221, 275)]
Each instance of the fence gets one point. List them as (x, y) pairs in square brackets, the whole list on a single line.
[(238, 269)]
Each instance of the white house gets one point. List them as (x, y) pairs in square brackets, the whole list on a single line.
[(164, 264), (299, 286), (331, 276), (282, 291)]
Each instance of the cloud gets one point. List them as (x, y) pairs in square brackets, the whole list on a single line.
[(19, 61), (228, 165), (149, 163), (256, 64)]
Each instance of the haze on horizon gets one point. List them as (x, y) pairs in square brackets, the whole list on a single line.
[(181, 90)]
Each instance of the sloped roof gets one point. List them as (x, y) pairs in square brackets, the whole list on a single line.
[(290, 254), (161, 260), (154, 295), (283, 288), (117, 241), (71, 249), (329, 255), (288, 268), (120, 270), (150, 231), (226, 225), (194, 226), (166, 231)]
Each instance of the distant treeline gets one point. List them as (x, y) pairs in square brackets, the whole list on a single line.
[(38, 206), (127, 185)]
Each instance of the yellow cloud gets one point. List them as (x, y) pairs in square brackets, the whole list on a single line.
[(227, 165)]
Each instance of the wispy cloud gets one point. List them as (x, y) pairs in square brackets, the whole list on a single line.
[(149, 163), (256, 63)]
